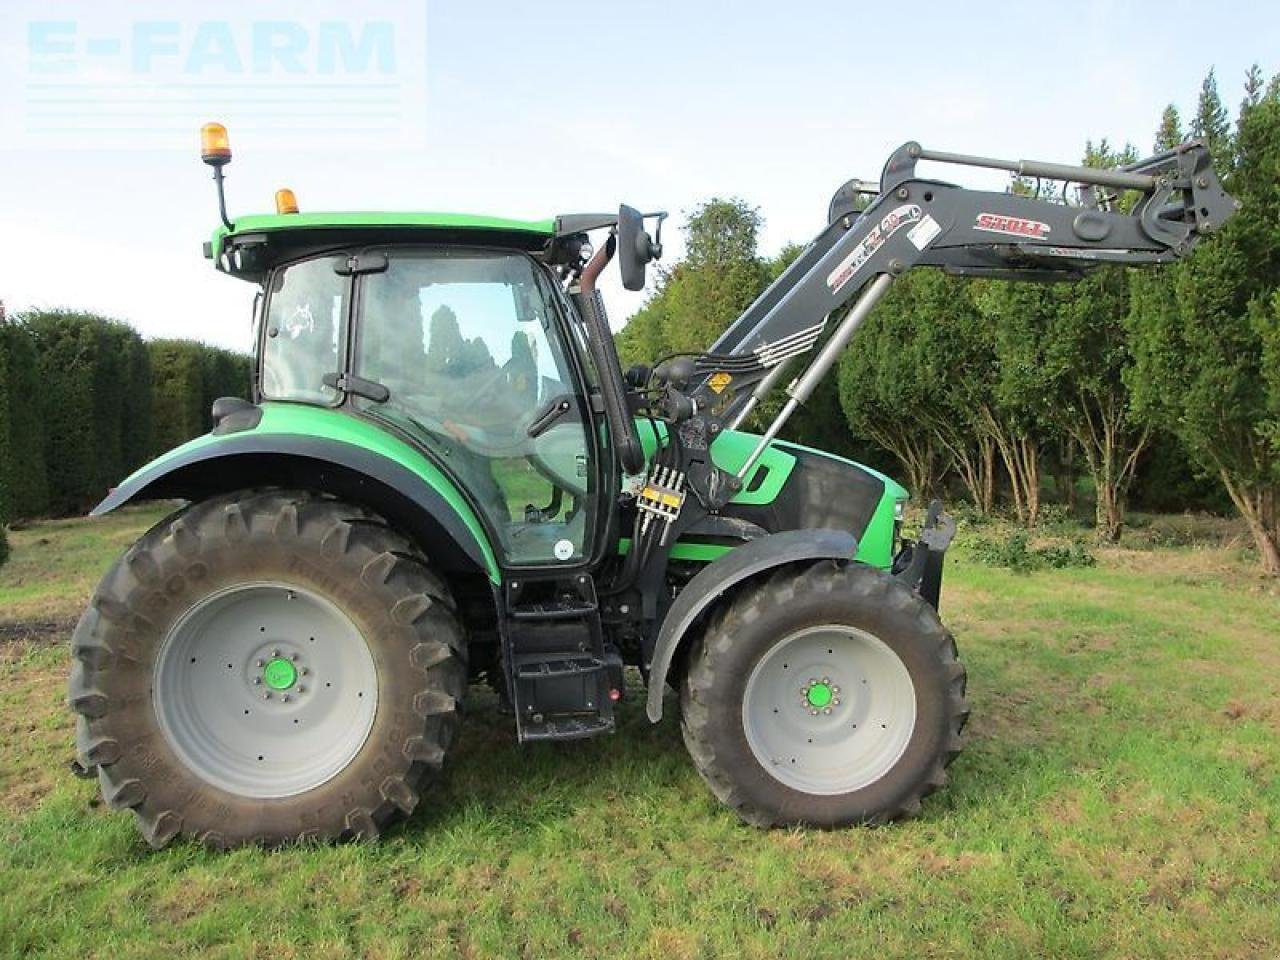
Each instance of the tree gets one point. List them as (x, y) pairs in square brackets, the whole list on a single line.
[(1088, 355), (1085, 355), (1169, 133), (885, 385), (957, 357), (1017, 419), (1204, 332), (1254, 85), (719, 277), (1211, 122), (643, 339)]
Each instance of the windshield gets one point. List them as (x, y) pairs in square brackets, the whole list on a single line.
[(466, 344)]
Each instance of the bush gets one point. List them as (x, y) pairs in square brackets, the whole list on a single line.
[(1015, 552)]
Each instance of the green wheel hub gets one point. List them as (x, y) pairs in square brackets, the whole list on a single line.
[(279, 674), (819, 694)]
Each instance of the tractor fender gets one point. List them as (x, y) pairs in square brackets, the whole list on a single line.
[(719, 576), (408, 501)]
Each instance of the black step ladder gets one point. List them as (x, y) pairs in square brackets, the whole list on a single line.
[(562, 679)]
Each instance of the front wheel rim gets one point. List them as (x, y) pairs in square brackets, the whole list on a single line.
[(829, 709), (265, 690)]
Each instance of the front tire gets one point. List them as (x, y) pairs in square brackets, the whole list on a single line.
[(825, 696), (264, 667)]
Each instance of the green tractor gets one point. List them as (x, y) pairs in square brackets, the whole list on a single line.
[(445, 476)]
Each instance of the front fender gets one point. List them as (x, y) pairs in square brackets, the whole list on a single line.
[(329, 452), (713, 580)]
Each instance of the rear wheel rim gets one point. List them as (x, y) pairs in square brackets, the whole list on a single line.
[(829, 709), (265, 690)]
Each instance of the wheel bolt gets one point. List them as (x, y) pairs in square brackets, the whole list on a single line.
[(305, 671), (266, 696), (302, 689), (285, 698), (275, 652), (257, 681), (836, 701), (293, 657), (260, 663), (826, 711)]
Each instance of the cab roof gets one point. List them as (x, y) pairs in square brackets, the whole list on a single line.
[(259, 241)]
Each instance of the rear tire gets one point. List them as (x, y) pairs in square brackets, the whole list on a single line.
[(328, 720), (824, 696)]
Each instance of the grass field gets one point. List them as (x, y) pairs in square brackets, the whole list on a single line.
[(1119, 796)]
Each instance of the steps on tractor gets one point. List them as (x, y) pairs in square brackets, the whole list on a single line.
[(567, 728), (568, 667), (563, 680), (553, 610)]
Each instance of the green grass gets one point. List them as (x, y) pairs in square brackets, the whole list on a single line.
[(1119, 796), (56, 564)]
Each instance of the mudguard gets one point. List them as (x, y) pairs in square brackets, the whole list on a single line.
[(405, 497), (715, 578)]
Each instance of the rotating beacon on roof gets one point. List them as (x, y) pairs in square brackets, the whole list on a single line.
[(445, 477)]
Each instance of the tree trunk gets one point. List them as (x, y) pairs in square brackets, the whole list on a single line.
[(1020, 454), (975, 465), (1110, 514), (988, 448), (1065, 475), (1111, 448), (1261, 511), (1269, 548)]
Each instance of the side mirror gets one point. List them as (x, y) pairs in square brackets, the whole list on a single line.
[(636, 249)]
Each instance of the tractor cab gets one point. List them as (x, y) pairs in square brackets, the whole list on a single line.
[(458, 346)]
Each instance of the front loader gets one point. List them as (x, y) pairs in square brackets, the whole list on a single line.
[(444, 477)]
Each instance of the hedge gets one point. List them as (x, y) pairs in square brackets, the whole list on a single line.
[(86, 401), (22, 467)]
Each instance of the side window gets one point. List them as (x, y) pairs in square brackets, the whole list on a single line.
[(306, 310)]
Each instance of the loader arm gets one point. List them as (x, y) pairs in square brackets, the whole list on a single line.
[(917, 222), (1150, 212)]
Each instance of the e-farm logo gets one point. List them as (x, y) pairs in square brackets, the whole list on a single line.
[(285, 74)]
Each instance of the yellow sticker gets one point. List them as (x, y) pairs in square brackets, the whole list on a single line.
[(719, 381)]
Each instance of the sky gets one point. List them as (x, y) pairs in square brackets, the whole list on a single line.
[(529, 110)]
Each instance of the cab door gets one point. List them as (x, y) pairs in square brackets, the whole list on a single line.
[(471, 351)]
